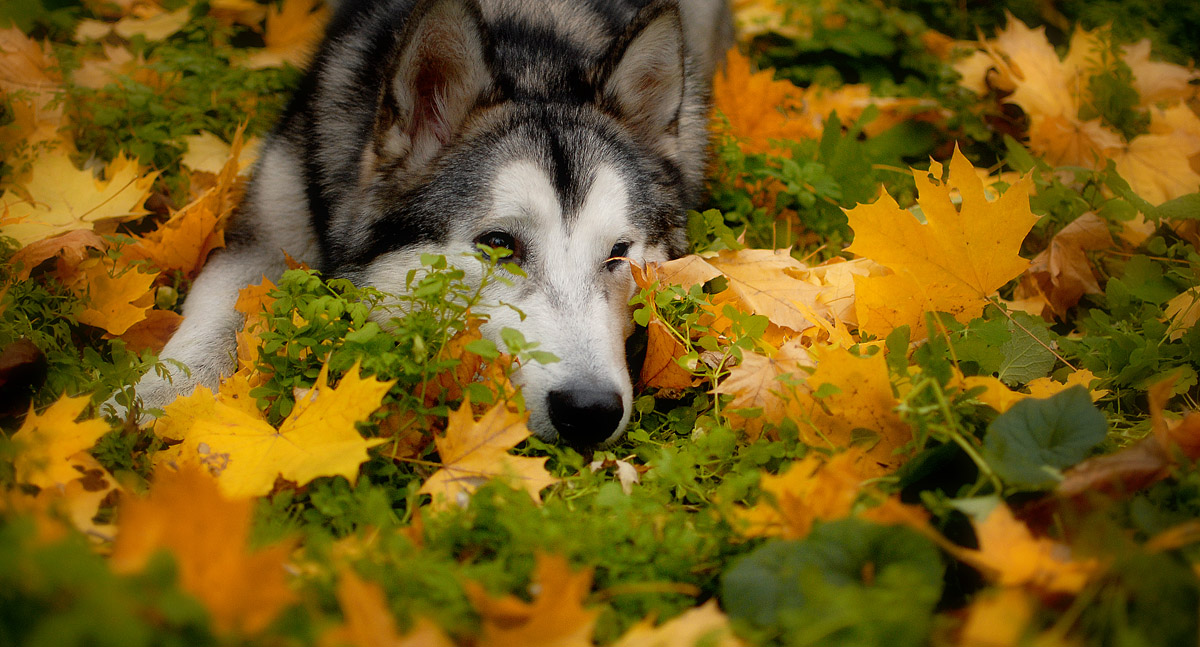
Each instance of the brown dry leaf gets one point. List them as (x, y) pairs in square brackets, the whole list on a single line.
[(369, 623), (1010, 555), (661, 370), (861, 412), (51, 445), (702, 625), (153, 332), (952, 264), (1062, 271), (318, 438), (291, 35), (555, 618), (186, 514), (115, 302), (61, 198), (71, 248), (475, 452), (756, 383), (809, 490)]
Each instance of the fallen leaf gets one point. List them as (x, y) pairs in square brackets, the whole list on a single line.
[(998, 618), (62, 198), (48, 443), (810, 490), (30, 81), (952, 264), (72, 247), (758, 108), (292, 33), (761, 282), (661, 370), (1062, 271), (153, 332), (369, 623), (555, 618), (116, 302), (318, 438), (758, 382), (1010, 555), (475, 452), (207, 533), (702, 625), (1183, 312)]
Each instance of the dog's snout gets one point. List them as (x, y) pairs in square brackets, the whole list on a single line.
[(585, 415)]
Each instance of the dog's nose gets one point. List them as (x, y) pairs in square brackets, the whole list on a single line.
[(584, 415)]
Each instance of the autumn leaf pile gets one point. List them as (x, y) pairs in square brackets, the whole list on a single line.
[(928, 377)]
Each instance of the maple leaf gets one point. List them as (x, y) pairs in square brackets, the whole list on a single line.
[(116, 302), (863, 400), (757, 17), (61, 197), (998, 618), (1062, 272), (49, 444), (762, 281), (811, 489), (1010, 555), (703, 625), (153, 332), (29, 80), (318, 437), (71, 248), (474, 452), (661, 369), (758, 108), (951, 264), (153, 25), (369, 623), (207, 533), (292, 33), (555, 618), (1183, 312), (755, 384), (998, 396)]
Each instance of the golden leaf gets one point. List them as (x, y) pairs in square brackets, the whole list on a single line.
[(71, 248), (1010, 555), (318, 438), (47, 443), (555, 618), (756, 383), (292, 33), (474, 452), (661, 370), (207, 533), (809, 490), (763, 282), (62, 198), (953, 263), (116, 302), (28, 79)]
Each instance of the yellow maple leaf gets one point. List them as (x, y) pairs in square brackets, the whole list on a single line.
[(1183, 312), (951, 264), (318, 438), (809, 490), (48, 443), (1010, 555), (207, 533), (998, 618), (863, 401), (474, 452), (702, 625), (764, 282), (292, 33), (555, 618), (369, 623), (61, 197), (998, 396), (115, 302)]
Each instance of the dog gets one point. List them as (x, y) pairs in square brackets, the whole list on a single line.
[(571, 132)]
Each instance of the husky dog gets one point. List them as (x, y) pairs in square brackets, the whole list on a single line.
[(572, 132)]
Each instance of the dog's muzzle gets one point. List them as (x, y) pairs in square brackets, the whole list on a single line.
[(585, 415)]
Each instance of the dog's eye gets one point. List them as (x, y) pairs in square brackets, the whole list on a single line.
[(502, 240), (616, 254)]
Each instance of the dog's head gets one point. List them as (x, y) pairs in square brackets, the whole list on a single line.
[(578, 155)]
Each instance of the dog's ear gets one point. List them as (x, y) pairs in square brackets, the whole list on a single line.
[(646, 74), (438, 73)]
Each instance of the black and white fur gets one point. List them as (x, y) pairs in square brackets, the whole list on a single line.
[(571, 131)]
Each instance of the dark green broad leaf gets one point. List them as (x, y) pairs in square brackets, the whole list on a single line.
[(1026, 353), (849, 583), (1185, 207), (1032, 441)]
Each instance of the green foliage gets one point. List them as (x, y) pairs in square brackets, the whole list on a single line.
[(1030, 442)]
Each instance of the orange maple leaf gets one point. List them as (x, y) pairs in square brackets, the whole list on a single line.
[(555, 618), (474, 452), (863, 401), (951, 264), (186, 514), (318, 438), (661, 369), (29, 80), (758, 108), (369, 623)]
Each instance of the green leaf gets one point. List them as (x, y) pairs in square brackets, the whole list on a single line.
[(1027, 353), (1185, 207), (850, 582), (1032, 441)]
